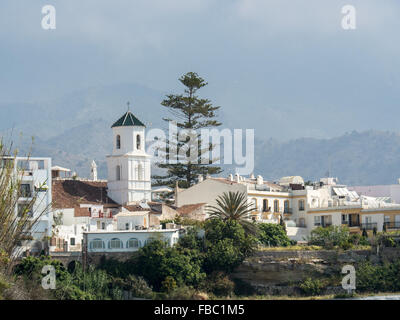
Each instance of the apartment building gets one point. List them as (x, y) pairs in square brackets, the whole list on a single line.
[(302, 207), (36, 183)]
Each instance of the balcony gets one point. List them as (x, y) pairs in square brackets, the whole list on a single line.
[(103, 215), (287, 210), (392, 225), (351, 224), (369, 226), (323, 224)]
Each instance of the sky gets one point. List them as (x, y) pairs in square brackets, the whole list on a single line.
[(286, 68)]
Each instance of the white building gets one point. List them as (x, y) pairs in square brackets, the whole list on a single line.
[(303, 208), (388, 192), (129, 172), (127, 241), (36, 184)]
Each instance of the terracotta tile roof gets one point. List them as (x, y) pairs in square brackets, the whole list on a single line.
[(72, 193), (135, 207), (81, 212), (188, 208)]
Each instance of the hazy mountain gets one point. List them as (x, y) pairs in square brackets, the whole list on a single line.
[(370, 157), (75, 129)]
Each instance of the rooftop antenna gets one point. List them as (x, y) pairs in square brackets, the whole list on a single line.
[(128, 104)]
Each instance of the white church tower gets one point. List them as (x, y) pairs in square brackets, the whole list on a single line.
[(129, 172)]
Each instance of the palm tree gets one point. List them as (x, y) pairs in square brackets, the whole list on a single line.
[(234, 206)]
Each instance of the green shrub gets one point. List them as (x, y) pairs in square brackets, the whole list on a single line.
[(346, 245), (226, 245), (358, 240), (136, 286), (219, 284), (169, 284), (378, 278), (273, 235), (312, 287), (328, 237), (156, 261), (180, 293)]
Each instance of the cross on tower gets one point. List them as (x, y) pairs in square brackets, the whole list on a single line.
[(128, 104)]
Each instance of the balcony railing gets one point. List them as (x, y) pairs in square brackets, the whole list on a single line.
[(392, 225), (287, 211), (323, 224), (369, 226), (350, 224), (106, 215)]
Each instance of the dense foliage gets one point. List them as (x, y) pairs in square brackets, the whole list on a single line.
[(201, 261), (378, 278), (335, 236), (273, 235), (93, 284), (226, 245), (158, 263)]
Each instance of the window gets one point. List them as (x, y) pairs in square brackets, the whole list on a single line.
[(103, 225), (276, 205), (23, 210), (140, 172), (118, 173), (25, 190), (126, 226), (115, 244), (138, 146), (118, 142), (96, 244), (133, 243), (301, 205), (265, 205), (286, 206), (72, 241), (317, 221)]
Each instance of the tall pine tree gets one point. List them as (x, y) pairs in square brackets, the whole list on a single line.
[(191, 113)]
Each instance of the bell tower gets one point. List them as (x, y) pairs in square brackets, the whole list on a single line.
[(129, 172)]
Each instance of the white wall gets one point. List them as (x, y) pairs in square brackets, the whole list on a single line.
[(135, 182), (132, 221), (36, 176), (170, 236), (206, 192)]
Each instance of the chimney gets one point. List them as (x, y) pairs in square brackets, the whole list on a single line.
[(230, 177), (260, 180), (237, 177)]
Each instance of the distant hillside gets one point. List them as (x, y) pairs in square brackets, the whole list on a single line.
[(356, 158), (370, 157), (75, 129)]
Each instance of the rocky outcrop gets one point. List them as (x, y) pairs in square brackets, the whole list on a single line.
[(281, 272)]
